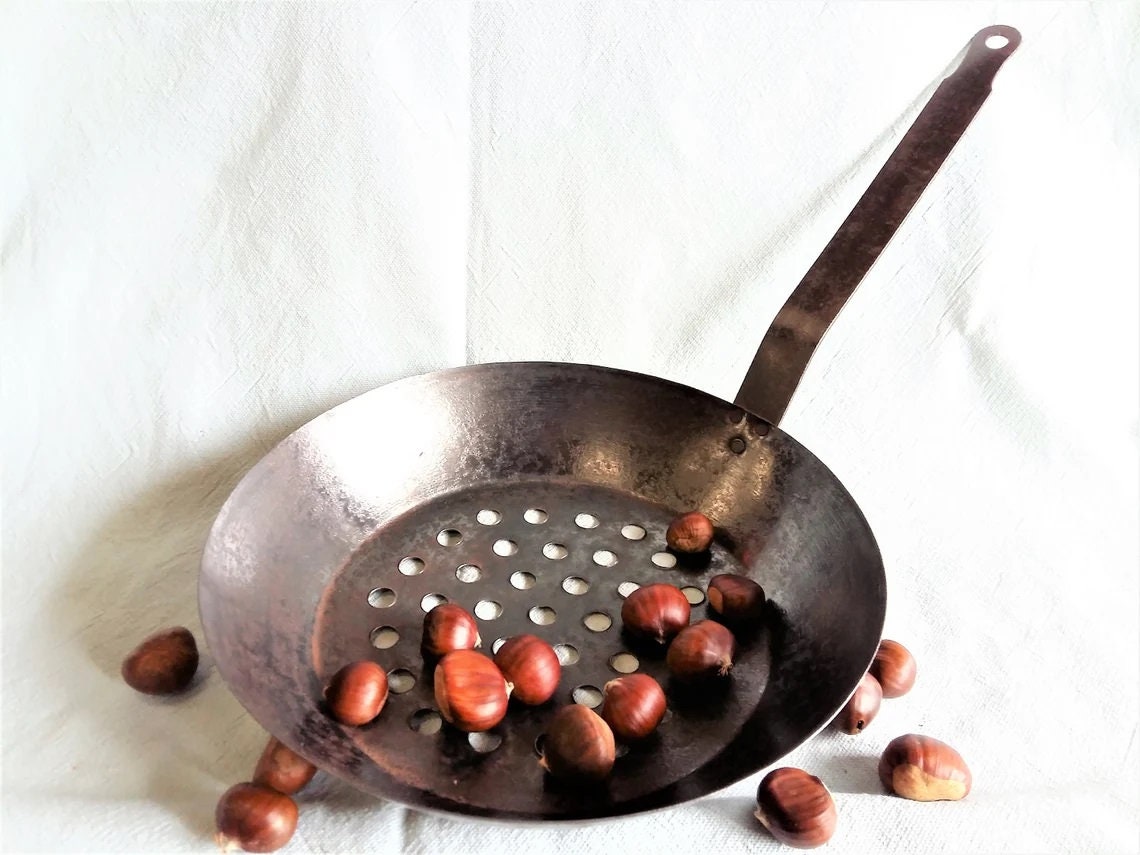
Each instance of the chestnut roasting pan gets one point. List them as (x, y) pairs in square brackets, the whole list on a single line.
[(536, 495)]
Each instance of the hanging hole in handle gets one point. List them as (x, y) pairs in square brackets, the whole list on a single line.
[(996, 42)]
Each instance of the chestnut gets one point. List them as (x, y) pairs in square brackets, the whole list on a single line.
[(796, 808), (449, 627), (357, 693), (531, 666), (164, 662), (690, 532), (894, 668), (737, 599), (282, 769), (862, 707), (470, 690), (578, 745), (924, 769), (656, 611), (701, 651), (254, 818), (633, 706)]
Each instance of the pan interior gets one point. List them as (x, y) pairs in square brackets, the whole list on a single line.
[(531, 494)]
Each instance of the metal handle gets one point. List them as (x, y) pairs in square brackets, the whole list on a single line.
[(798, 327)]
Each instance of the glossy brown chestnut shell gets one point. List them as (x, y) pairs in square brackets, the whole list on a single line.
[(357, 693), (449, 627), (633, 706), (862, 707), (470, 690), (578, 745), (254, 819), (690, 532), (531, 666), (738, 600), (895, 669), (164, 663), (924, 769), (282, 769), (701, 651), (656, 611), (796, 808)]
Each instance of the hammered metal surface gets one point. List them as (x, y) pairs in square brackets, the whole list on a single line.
[(324, 521)]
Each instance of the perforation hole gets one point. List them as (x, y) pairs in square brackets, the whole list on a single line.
[(624, 663), (484, 741), (605, 558), (597, 621), (430, 601), (664, 559), (575, 585), (996, 42), (555, 551), (627, 588), (567, 654), (426, 722), (400, 680), (381, 598), (540, 744), (411, 566), (586, 521), (587, 696), (505, 548), (448, 537), (695, 596), (632, 532), (384, 637), (468, 573), (536, 516), (496, 644), (488, 517), (488, 610), (542, 615), (522, 580)]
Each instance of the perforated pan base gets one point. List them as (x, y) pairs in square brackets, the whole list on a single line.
[(562, 577)]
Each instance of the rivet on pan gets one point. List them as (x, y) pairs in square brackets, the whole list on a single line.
[(737, 445)]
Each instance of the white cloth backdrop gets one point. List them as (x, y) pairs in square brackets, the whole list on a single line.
[(219, 220)]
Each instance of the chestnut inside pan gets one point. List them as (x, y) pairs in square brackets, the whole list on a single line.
[(536, 495)]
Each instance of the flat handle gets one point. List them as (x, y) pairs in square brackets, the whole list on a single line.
[(798, 327)]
